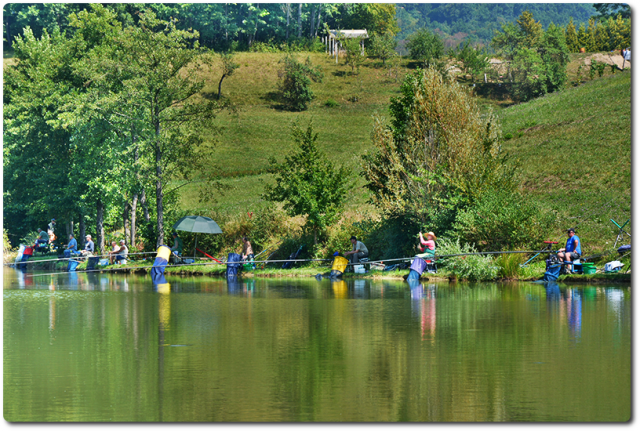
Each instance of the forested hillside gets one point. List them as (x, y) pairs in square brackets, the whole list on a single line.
[(238, 26), (478, 21)]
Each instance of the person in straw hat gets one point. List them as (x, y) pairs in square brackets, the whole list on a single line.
[(428, 245)]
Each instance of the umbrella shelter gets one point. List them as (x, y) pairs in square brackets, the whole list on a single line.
[(197, 224)]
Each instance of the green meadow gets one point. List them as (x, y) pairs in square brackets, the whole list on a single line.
[(573, 147)]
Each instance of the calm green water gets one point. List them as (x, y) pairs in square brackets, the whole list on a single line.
[(95, 347)]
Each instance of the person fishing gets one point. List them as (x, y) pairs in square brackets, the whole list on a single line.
[(571, 250), (358, 252), (428, 246), (247, 250)]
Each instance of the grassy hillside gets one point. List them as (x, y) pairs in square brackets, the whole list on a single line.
[(259, 129), (575, 152), (574, 146)]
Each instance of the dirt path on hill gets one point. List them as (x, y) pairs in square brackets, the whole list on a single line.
[(614, 58)]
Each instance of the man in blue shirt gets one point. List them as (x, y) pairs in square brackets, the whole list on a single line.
[(572, 249), (72, 247)]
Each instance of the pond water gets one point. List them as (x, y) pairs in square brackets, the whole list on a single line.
[(105, 347)]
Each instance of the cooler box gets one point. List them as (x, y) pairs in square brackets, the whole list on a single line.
[(359, 269)]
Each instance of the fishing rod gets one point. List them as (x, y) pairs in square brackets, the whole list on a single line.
[(123, 268), (62, 259)]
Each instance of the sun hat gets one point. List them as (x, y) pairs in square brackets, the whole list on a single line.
[(432, 234)]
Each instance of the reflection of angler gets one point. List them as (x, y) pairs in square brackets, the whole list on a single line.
[(337, 268), (574, 314)]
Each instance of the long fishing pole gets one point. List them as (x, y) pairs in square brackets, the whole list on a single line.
[(127, 268)]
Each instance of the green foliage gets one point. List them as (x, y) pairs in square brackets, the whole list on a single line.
[(596, 67), (383, 46), (308, 184), (607, 10), (473, 61), (538, 58), (6, 244), (502, 220), (571, 36), (509, 265), (437, 156), (354, 55), (425, 46), (471, 267), (296, 83), (331, 103), (228, 67), (377, 18), (477, 22)]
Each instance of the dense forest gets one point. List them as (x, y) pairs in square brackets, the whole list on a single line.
[(478, 21), (224, 26)]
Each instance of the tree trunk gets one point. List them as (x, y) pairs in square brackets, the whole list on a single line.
[(145, 206), (100, 226), (299, 20), (318, 20), (220, 86), (288, 18), (159, 194), (125, 221), (134, 208), (83, 233), (312, 25)]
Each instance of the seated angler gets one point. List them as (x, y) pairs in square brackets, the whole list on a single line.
[(72, 247), (571, 250), (358, 252), (43, 237), (122, 252), (89, 247)]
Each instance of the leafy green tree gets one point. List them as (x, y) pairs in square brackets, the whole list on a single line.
[(571, 36), (353, 52), (308, 183), (228, 67), (607, 10), (425, 46), (376, 18), (538, 59), (473, 61), (438, 155), (583, 36), (145, 82), (296, 82), (383, 46)]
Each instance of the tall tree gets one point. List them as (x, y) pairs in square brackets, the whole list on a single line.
[(438, 154), (308, 183), (147, 78)]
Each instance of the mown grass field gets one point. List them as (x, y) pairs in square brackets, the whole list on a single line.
[(574, 146)]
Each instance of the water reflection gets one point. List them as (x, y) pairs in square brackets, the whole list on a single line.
[(205, 349)]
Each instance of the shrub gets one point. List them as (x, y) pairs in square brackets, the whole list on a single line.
[(470, 267), (296, 83), (509, 265), (331, 103), (6, 244), (502, 220)]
